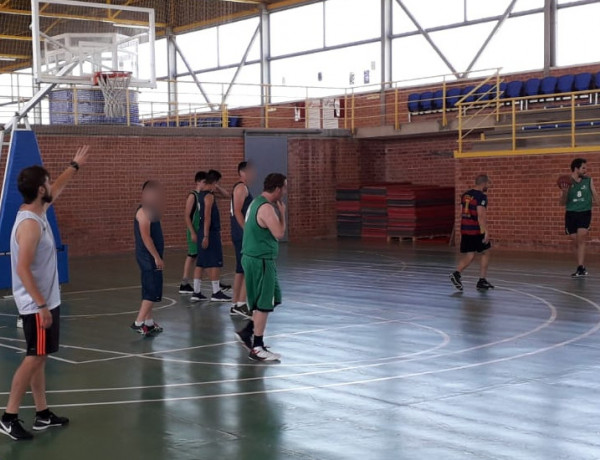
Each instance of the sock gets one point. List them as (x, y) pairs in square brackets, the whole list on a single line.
[(45, 414), (197, 285), (240, 304), (258, 341), (249, 327), (139, 323), (149, 322), (6, 417), (215, 287)]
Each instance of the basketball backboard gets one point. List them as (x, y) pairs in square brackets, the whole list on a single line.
[(99, 37)]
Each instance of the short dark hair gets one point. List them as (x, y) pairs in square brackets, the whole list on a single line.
[(200, 176), (577, 163), (243, 166), (482, 179), (213, 176), (274, 181), (150, 184), (30, 180)]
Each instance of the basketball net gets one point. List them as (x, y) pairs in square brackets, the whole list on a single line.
[(114, 86)]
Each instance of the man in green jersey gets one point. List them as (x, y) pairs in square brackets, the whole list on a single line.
[(260, 246), (578, 197), (192, 223)]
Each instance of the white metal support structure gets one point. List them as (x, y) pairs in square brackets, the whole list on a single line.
[(265, 55), (242, 63), (172, 73), (193, 74), (386, 42), (550, 8)]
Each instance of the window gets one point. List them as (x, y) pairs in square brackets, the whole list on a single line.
[(401, 22), (297, 29), (577, 29), (414, 58), (527, 5), (477, 9), (199, 48), (348, 21), (432, 13), (234, 39)]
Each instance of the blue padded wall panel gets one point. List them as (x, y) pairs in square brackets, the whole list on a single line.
[(24, 152)]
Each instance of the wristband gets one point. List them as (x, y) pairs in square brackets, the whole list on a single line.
[(74, 165), (42, 306)]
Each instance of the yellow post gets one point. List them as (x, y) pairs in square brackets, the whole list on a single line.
[(444, 116), (396, 114), (572, 120), (224, 116), (177, 113), (75, 106), (514, 125), (346, 109), (497, 96)]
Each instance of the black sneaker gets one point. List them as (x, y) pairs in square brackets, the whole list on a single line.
[(198, 297), (484, 285), (220, 297), (242, 311), (14, 430), (155, 329), (580, 272), (456, 280), (224, 287), (40, 424), (186, 289), (244, 337), (143, 329)]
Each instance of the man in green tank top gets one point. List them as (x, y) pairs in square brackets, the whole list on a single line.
[(262, 231), (578, 198)]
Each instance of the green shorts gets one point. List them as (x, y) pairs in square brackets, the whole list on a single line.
[(192, 247), (262, 287)]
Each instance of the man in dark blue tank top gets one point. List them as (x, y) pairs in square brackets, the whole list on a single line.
[(210, 246), (240, 201), (149, 250)]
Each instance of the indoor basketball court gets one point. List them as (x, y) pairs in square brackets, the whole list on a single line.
[(393, 122)]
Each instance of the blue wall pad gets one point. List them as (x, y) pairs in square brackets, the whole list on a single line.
[(24, 152)]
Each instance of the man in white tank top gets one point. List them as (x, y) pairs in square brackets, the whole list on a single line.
[(36, 293)]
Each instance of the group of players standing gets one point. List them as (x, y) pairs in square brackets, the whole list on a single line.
[(35, 270)]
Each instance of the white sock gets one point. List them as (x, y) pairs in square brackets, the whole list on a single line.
[(139, 323), (149, 322), (240, 304), (215, 287), (197, 285)]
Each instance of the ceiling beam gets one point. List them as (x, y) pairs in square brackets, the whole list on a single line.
[(23, 38)]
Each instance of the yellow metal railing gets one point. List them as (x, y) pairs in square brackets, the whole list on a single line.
[(563, 118)]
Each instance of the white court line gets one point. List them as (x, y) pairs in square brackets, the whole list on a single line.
[(23, 350), (588, 333)]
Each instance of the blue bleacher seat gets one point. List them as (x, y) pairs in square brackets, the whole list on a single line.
[(466, 90), (548, 85), (438, 102), (532, 87), (484, 92), (452, 97), (426, 101), (513, 89), (583, 81), (565, 84), (503, 86), (413, 102)]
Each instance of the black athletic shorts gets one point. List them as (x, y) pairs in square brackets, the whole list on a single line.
[(575, 220), (152, 285), (473, 243), (40, 341), (212, 256), (237, 245)]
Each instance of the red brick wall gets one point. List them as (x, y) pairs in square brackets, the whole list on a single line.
[(524, 210)]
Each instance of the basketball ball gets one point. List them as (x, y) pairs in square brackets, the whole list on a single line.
[(564, 181)]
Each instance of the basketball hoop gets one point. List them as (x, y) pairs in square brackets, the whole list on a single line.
[(114, 86)]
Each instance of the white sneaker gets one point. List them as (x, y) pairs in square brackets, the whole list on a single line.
[(19, 322), (262, 354)]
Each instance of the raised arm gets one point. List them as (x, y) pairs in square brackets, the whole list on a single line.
[(267, 217), (239, 195), (209, 199), (28, 237), (222, 192), (144, 223), (61, 182)]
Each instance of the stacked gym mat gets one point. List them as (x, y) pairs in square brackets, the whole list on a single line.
[(349, 221), (394, 210)]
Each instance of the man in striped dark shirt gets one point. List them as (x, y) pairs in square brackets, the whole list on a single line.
[(475, 235)]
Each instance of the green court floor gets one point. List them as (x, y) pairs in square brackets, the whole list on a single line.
[(381, 360)]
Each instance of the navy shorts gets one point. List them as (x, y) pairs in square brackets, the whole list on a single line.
[(473, 243), (212, 256), (152, 285), (237, 245), (40, 341)]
